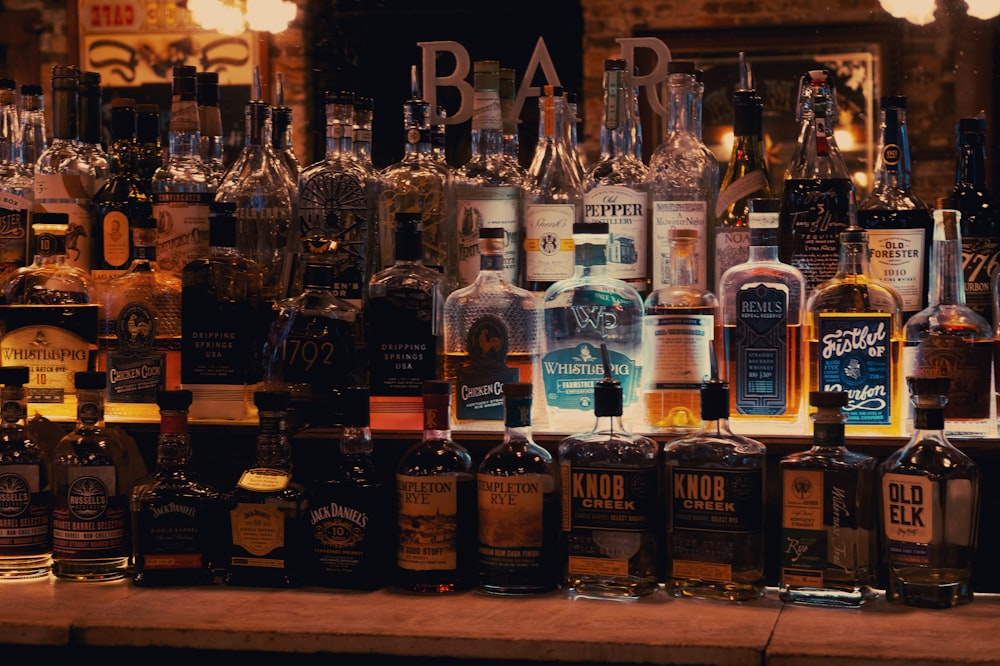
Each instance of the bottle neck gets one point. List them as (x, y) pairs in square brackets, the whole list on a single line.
[(971, 169), (339, 130), (64, 114), (763, 244), (173, 447), (355, 440), (615, 129), (14, 401), (274, 450), (928, 422), (184, 132), (89, 407), (90, 117), (853, 258), (892, 166), (33, 139), (828, 434), (9, 130), (487, 124), (683, 272), (436, 416), (683, 102), (947, 283), (591, 255)]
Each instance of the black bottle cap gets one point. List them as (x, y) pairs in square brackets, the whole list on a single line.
[(765, 205), (90, 380), (436, 387), (591, 228), (974, 125), (208, 88), (174, 400), (615, 64), (680, 67), (714, 400), (517, 389), (892, 102), (50, 218), (31, 89), (272, 401), (828, 398), (927, 385), (340, 97), (491, 232), (8, 84), (607, 391), (14, 375), (356, 406), (362, 103)]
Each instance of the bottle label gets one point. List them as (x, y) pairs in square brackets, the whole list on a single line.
[(321, 357), (511, 521), (115, 246), (483, 206), (23, 513), (898, 260), (669, 215), (680, 351), (969, 364), (716, 500), (258, 529), (624, 209), (854, 355), (759, 349), (569, 374), (487, 113), (402, 345), (909, 516), (135, 377), (89, 521), (80, 229), (217, 346), (264, 480), (813, 213), (742, 187), (980, 262), (173, 534), (548, 242), (621, 500), (182, 221), (417, 188), (428, 522), (14, 211), (480, 380), (732, 247)]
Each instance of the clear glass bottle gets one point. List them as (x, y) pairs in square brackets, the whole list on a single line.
[(553, 198), (90, 519), (267, 511), (681, 332), (175, 515), (31, 117), (48, 280), (828, 519), (519, 506), (613, 190), (351, 509), (364, 115), (282, 139), (508, 109), (211, 145), (929, 507), (817, 193), (436, 495), (580, 314), (715, 482), (950, 338), (683, 177), (762, 307), (489, 191), (184, 185), (612, 524), (26, 550), (16, 186), (147, 136), (745, 178), (899, 223), (89, 140), (853, 332), (492, 336)]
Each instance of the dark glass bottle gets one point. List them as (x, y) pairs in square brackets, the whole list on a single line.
[(175, 516)]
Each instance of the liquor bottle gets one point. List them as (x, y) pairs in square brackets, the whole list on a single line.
[(683, 177), (762, 306), (64, 179), (553, 198), (364, 115), (90, 100), (140, 334), (950, 338), (853, 330), (929, 507), (403, 310), (211, 145), (745, 179), (122, 198), (680, 327), (439, 137), (48, 280), (436, 495), (338, 200), (419, 184), (184, 185), (519, 506), (26, 549), (980, 222), (489, 192), (580, 314), (281, 136), (260, 187), (17, 187), (492, 336), (147, 136), (34, 137), (267, 511), (715, 482), (899, 224), (510, 139), (816, 198), (223, 322), (351, 510), (90, 521), (571, 124), (612, 517), (828, 521), (175, 515), (613, 190)]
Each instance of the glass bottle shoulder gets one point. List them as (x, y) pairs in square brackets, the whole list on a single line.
[(830, 457), (953, 320), (431, 457), (317, 303), (184, 173), (602, 447), (588, 289), (55, 283), (622, 169), (89, 445), (680, 297), (489, 171), (490, 290), (516, 457), (888, 197), (713, 447), (856, 293), (410, 276), (932, 456), (175, 483), (681, 161), (18, 447), (63, 157)]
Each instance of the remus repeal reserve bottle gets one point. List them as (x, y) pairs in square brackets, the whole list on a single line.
[(929, 507), (612, 517), (436, 494)]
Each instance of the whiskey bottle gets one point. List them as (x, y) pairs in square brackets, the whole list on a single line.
[(211, 145), (266, 512), (950, 338), (929, 507), (715, 485), (48, 280), (184, 185), (580, 314), (816, 197), (364, 115), (519, 506), (553, 198), (147, 136), (90, 519), (175, 515), (613, 189), (899, 224), (492, 336), (680, 327), (762, 307), (26, 546), (89, 141), (853, 331), (436, 495), (351, 509), (16, 187), (34, 138), (828, 524), (683, 177), (612, 517)]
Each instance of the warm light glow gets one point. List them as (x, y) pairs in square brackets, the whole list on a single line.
[(270, 15), (860, 180), (921, 12), (983, 9), (232, 19), (845, 140)]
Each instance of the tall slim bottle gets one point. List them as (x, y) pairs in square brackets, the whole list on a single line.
[(90, 142), (16, 187), (899, 224), (211, 146), (364, 116), (147, 136), (31, 116)]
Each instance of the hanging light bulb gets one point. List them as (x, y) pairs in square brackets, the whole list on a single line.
[(233, 17), (983, 9), (918, 12), (270, 15)]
